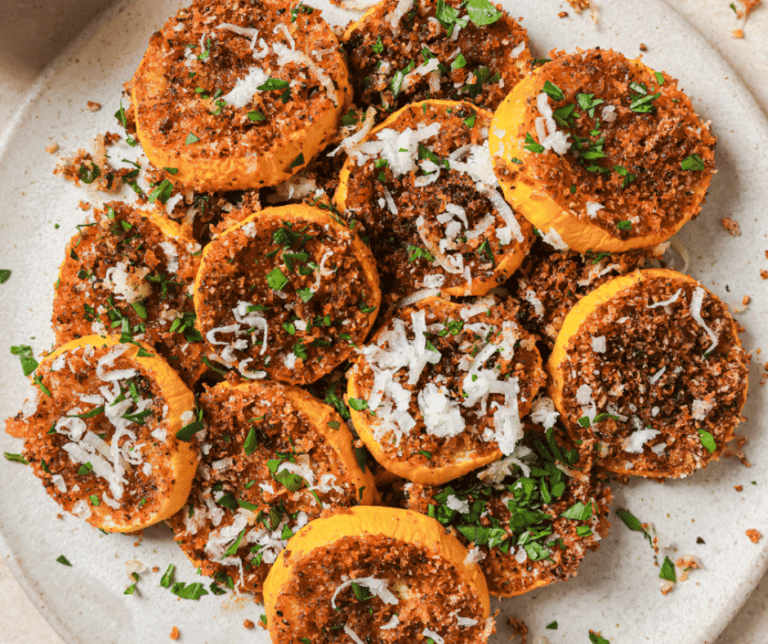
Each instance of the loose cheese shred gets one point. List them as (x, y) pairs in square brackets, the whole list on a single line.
[(377, 587), (697, 299)]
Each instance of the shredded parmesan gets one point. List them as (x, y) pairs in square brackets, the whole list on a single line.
[(697, 299)]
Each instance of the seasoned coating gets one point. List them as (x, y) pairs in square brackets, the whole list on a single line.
[(376, 574), (441, 389), (421, 186), (239, 94), (602, 150), (550, 283), (648, 370), (133, 272), (529, 519), (274, 458), (105, 434), (289, 291), (402, 51)]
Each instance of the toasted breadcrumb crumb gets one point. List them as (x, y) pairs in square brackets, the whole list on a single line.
[(580, 5), (248, 624), (518, 626), (643, 47), (666, 587), (746, 300), (155, 568), (84, 205), (738, 488), (174, 633), (749, 7), (731, 225), (754, 535), (94, 107), (764, 274), (562, 14), (687, 563), (52, 148), (738, 33)]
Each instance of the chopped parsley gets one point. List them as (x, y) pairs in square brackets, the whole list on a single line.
[(358, 404), (15, 458), (692, 163), (4, 275), (419, 253), (482, 12), (277, 279), (28, 362), (532, 145), (190, 429), (553, 91), (633, 523), (707, 440), (273, 84), (191, 138), (668, 570), (63, 560), (188, 591)]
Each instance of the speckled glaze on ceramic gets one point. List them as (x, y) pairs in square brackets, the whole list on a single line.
[(617, 590)]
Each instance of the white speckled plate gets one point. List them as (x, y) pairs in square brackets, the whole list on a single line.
[(617, 590)]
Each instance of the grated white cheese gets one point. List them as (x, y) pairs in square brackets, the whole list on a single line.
[(435, 636), (473, 556), (599, 344), (172, 265), (700, 409), (553, 238), (608, 113), (454, 503), (593, 208), (697, 299), (352, 635), (546, 128), (377, 587), (671, 300), (543, 411), (635, 441), (393, 622), (245, 88), (657, 376)]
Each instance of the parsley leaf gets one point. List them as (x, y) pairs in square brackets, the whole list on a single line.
[(189, 430), (167, 577), (277, 279), (532, 146), (63, 560), (358, 404), (668, 570), (191, 138), (15, 458), (692, 163), (272, 84), (188, 591), (633, 523), (28, 362), (482, 12), (553, 91), (578, 511), (4, 275), (251, 442), (707, 440)]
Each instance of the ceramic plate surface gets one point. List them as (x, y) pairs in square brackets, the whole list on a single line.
[(617, 589)]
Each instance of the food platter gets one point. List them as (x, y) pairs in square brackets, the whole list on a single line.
[(617, 589)]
